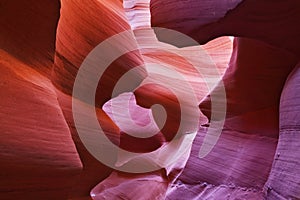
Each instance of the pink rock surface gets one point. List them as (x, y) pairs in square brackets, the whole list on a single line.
[(43, 45), (253, 84), (254, 80), (130, 186), (283, 182)]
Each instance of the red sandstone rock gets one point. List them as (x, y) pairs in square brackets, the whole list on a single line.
[(80, 29), (28, 31), (256, 156), (38, 157)]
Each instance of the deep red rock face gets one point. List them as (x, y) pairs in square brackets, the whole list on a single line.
[(45, 45), (28, 31), (38, 156)]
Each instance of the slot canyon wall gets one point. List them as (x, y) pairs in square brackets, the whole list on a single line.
[(235, 100)]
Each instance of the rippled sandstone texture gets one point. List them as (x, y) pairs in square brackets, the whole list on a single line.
[(260, 107), (43, 44)]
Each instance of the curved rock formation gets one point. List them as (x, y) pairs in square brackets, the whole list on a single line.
[(155, 102), (283, 181), (254, 81), (271, 22), (38, 156)]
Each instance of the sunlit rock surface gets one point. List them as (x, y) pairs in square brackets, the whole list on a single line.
[(44, 44)]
